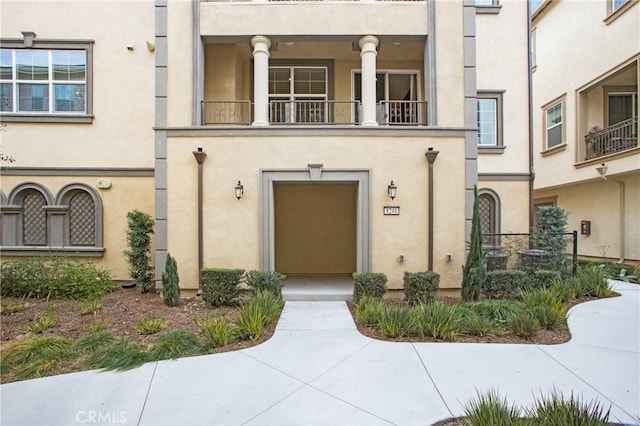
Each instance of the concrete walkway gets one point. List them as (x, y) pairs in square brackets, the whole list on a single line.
[(317, 369)]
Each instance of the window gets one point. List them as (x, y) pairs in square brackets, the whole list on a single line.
[(488, 207), (554, 128), (489, 116), (621, 107), (298, 94), (487, 6), (617, 4), (48, 82), (33, 221)]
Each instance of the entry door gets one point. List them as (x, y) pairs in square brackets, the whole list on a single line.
[(315, 228)]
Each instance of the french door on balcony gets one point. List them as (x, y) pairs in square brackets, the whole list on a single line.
[(396, 97), (298, 95), (622, 106)]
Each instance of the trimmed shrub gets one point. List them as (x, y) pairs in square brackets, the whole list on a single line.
[(170, 282), (220, 286), (504, 283), (395, 321), (265, 280), (368, 284), (54, 277), (139, 230), (542, 278), (437, 320), (368, 311), (421, 287)]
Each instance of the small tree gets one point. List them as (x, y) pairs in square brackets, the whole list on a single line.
[(139, 230), (170, 282), (472, 273), (548, 235)]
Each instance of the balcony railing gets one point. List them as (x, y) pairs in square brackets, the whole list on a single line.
[(620, 137), (314, 112), (226, 112), (402, 113), (311, 112)]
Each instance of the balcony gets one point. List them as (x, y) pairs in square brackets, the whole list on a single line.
[(620, 137), (314, 112)]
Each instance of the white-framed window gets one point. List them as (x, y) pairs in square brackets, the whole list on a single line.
[(298, 94), (554, 124), (48, 81), (621, 106), (489, 115)]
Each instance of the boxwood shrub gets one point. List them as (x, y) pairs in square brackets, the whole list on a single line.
[(220, 286), (372, 284), (421, 287), (504, 283), (542, 278)]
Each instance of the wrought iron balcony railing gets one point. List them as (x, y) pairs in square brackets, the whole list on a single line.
[(402, 113), (619, 137), (226, 112), (311, 112)]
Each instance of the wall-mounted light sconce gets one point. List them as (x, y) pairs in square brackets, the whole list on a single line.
[(130, 47), (391, 190), (239, 190), (603, 171), (150, 46)]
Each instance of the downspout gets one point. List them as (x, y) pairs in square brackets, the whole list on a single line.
[(623, 217), (532, 172), (431, 158), (200, 156)]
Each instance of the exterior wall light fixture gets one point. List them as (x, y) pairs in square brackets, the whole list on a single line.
[(239, 190), (391, 190)]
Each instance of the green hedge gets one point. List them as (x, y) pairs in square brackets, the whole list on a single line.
[(368, 284), (57, 278), (542, 278), (421, 287), (504, 283), (265, 280), (220, 286)]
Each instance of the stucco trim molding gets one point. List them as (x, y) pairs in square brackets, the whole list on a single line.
[(525, 177), (269, 177), (21, 251), (444, 132), (77, 171)]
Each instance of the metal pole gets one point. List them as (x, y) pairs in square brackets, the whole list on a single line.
[(431, 158), (200, 156)]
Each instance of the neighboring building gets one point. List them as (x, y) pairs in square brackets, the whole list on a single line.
[(585, 108), (301, 128)]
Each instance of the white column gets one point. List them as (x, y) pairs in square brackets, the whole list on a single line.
[(368, 53), (261, 45)]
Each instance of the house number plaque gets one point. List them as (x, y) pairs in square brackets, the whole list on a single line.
[(392, 210)]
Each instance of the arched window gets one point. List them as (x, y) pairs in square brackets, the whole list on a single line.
[(489, 209), (34, 218)]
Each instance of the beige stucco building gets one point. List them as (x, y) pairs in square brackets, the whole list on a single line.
[(261, 139), (585, 95)]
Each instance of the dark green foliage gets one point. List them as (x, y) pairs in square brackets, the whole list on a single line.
[(593, 282), (35, 356), (437, 320), (549, 318), (421, 287), (54, 278), (490, 410), (271, 303), (504, 283), (496, 310), (174, 344), (524, 325), (558, 410), (220, 286), (476, 325), (265, 280), (368, 284), (170, 282), (542, 278), (93, 341), (121, 354), (139, 230), (547, 236), (472, 272), (544, 297)]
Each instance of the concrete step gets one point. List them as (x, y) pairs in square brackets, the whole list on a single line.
[(317, 289)]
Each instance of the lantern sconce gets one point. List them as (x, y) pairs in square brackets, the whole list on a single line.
[(239, 190), (391, 190)]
